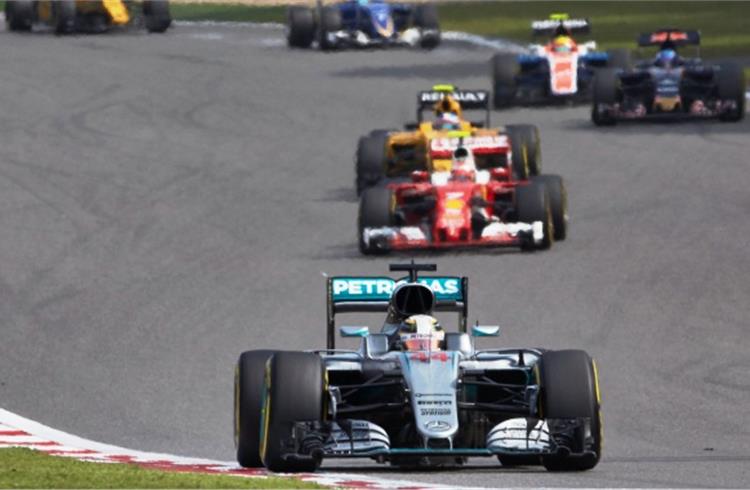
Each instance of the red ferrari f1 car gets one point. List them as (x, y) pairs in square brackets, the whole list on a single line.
[(463, 207)]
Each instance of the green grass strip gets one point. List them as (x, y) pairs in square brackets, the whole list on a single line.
[(614, 23), (24, 468)]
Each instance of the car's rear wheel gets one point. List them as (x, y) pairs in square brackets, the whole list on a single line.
[(19, 15), (370, 160), (606, 82), (532, 204), (300, 24), (526, 148), (731, 86), (426, 19), (248, 393), (558, 201), (156, 15), (375, 211), (505, 68), (330, 22), (293, 391), (570, 390)]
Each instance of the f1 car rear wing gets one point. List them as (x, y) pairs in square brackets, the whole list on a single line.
[(668, 38), (469, 100), (372, 294), (560, 24)]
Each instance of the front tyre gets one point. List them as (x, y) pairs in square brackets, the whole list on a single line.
[(731, 87), (64, 16), (558, 202), (248, 391), (532, 205), (505, 68), (294, 391), (426, 20), (330, 22), (300, 23), (19, 15), (526, 149), (569, 390), (604, 96), (375, 211)]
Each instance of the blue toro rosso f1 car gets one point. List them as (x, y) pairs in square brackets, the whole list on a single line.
[(415, 392), (560, 70), (363, 24), (669, 86)]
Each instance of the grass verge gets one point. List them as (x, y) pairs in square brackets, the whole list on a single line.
[(24, 468), (614, 23)]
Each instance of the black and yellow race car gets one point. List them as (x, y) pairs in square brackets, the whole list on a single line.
[(428, 144), (70, 16)]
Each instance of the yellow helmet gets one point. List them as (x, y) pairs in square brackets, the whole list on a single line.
[(563, 44)]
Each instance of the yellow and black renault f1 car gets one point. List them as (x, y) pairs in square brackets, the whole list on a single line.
[(428, 145), (69, 16)]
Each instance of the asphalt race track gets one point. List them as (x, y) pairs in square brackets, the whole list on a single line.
[(169, 201)]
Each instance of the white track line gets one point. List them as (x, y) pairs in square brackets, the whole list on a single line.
[(17, 431)]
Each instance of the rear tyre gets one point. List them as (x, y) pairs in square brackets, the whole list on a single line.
[(370, 160), (731, 86), (19, 15), (605, 94), (64, 16), (558, 203), (156, 15), (294, 391), (505, 68), (526, 148), (426, 19), (248, 393), (532, 204), (619, 58), (375, 211), (300, 24), (330, 21), (569, 389)]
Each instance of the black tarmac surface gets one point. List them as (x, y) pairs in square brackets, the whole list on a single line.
[(169, 201)]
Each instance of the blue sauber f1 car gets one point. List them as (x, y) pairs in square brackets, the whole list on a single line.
[(669, 85), (560, 70), (363, 24), (415, 392)]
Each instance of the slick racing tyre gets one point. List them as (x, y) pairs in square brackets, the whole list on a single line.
[(329, 22), (569, 390), (156, 15), (619, 58), (558, 203), (19, 15), (426, 20), (604, 95), (248, 391), (505, 68), (370, 160), (375, 211), (731, 87), (294, 391), (64, 16), (532, 204), (300, 25), (526, 149)]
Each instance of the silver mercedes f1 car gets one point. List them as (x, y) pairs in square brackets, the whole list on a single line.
[(415, 393)]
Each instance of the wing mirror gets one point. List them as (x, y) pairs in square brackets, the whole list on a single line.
[(485, 330), (354, 331)]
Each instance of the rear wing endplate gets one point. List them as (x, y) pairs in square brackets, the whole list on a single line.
[(368, 294)]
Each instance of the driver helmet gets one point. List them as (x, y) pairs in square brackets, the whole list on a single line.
[(363, 2), (666, 58), (421, 333), (463, 164), (562, 44), (448, 120)]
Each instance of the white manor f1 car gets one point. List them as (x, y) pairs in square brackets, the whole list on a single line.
[(414, 394)]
